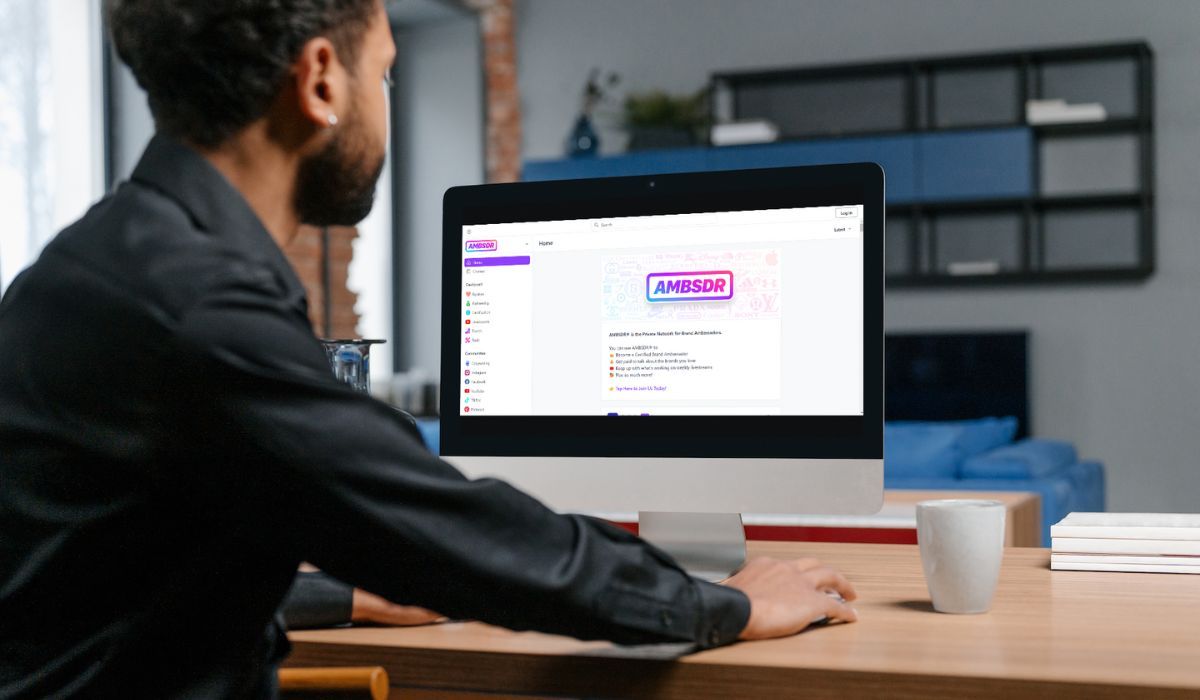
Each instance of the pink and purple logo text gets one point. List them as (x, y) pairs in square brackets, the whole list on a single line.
[(478, 246), (710, 285)]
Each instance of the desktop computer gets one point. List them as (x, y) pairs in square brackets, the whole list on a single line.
[(689, 347)]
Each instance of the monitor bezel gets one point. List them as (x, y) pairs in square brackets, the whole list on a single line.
[(808, 437)]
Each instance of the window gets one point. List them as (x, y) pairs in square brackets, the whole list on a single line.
[(51, 123)]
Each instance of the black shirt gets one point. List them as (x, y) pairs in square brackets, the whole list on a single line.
[(173, 444)]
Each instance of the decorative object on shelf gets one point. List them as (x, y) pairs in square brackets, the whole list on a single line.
[(974, 267), (1061, 112), (744, 132), (659, 120), (583, 140)]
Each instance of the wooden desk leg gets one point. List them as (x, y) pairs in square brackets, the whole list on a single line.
[(1023, 526)]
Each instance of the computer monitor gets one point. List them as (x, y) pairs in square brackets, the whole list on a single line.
[(685, 343)]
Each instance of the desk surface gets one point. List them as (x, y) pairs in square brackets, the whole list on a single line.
[(1062, 633)]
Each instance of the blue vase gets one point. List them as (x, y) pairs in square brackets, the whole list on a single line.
[(583, 141)]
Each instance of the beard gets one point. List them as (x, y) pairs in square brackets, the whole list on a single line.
[(336, 185)]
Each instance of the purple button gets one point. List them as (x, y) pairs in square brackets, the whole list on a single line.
[(497, 261)]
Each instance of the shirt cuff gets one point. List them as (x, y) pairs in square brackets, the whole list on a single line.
[(724, 614), (317, 599)]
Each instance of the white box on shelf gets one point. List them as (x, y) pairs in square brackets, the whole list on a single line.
[(1060, 112), (744, 132)]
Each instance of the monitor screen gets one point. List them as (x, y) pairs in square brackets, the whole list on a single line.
[(720, 314), (745, 312)]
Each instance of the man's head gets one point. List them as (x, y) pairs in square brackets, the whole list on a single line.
[(310, 71)]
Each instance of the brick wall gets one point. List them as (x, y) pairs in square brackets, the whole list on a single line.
[(503, 97), (304, 252)]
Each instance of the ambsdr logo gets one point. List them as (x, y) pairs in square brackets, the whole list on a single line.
[(478, 246), (711, 285)]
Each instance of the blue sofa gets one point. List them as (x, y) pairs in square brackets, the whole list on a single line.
[(971, 455), (980, 455)]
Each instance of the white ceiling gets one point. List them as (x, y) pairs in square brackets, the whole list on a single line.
[(412, 12)]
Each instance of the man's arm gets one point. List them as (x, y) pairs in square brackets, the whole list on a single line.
[(333, 477)]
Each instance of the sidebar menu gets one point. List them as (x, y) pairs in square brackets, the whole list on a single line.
[(497, 335)]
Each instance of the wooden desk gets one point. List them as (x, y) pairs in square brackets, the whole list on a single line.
[(1061, 634), (896, 521)]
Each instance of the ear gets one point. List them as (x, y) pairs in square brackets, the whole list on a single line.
[(321, 88)]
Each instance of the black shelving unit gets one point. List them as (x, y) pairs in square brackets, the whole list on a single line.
[(1075, 226)]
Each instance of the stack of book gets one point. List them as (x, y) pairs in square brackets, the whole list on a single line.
[(1151, 542)]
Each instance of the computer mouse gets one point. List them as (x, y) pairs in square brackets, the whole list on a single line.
[(823, 620)]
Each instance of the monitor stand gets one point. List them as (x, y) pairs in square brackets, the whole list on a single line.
[(711, 546)]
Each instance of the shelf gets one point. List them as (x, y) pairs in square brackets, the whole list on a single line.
[(1133, 50), (833, 136), (967, 179), (1072, 203), (1109, 126), (1096, 201), (1093, 201), (1131, 125), (921, 167), (1046, 277)]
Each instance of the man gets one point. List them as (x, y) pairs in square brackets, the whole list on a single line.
[(172, 443)]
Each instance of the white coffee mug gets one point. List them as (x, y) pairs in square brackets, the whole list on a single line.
[(962, 543)]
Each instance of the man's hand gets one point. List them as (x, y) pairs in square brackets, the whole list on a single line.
[(368, 607), (787, 596)]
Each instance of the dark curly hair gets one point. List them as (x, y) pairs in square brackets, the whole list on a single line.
[(210, 67)]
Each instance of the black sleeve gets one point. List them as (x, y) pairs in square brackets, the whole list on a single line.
[(334, 476), (317, 599)]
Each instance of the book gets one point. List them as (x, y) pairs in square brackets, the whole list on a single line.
[(1159, 560), (1089, 545), (1135, 526), (1129, 568)]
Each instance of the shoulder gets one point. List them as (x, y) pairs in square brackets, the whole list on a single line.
[(141, 243)]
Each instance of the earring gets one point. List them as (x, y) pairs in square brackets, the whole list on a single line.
[(332, 119)]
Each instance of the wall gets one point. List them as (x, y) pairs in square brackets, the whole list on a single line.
[(439, 122), (132, 123), (1114, 366)]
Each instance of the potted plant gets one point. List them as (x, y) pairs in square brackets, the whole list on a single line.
[(657, 119)]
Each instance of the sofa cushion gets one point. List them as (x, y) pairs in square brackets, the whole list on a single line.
[(937, 449), (983, 434), (1027, 459), (431, 431), (920, 450)]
